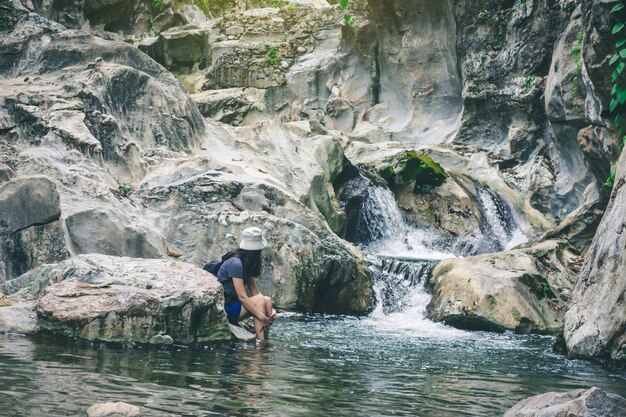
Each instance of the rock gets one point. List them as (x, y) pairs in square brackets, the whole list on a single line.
[(230, 105), (578, 403), (131, 300), (25, 202), (565, 91), (112, 233), (30, 231), (179, 48), (240, 333), (166, 20), (118, 409), (305, 266), (161, 339), (6, 173), (594, 326), (234, 30), (18, 317), (517, 290)]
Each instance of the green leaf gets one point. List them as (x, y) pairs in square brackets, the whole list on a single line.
[(620, 67), (614, 75), (621, 96), (613, 59), (620, 43), (613, 105), (617, 7), (618, 26), (614, 89), (343, 4), (622, 53), (618, 120), (347, 18)]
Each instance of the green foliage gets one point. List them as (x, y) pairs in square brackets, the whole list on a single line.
[(157, 5), (276, 4), (346, 17), (272, 56), (290, 7), (618, 90), (529, 81)]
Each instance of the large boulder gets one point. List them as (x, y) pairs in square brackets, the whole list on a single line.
[(593, 402), (306, 265), (30, 231), (595, 324), (524, 290), (123, 300)]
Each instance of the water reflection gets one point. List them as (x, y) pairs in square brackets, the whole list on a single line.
[(316, 366)]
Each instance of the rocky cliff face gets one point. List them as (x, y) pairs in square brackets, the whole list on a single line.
[(509, 97)]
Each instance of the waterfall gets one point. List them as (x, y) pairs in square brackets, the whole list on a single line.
[(375, 222)]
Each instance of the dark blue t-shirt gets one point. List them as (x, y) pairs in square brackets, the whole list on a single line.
[(231, 268)]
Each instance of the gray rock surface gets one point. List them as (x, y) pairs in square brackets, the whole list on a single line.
[(123, 300), (594, 325), (593, 402), (524, 290), (118, 409)]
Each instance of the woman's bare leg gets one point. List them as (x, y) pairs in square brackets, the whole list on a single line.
[(260, 303)]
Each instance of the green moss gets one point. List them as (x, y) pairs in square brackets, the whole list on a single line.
[(416, 167), (538, 285)]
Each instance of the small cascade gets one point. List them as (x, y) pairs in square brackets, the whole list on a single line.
[(498, 224), (398, 281)]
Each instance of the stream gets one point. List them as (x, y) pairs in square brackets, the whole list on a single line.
[(394, 362)]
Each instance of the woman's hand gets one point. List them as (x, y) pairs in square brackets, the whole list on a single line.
[(272, 316), (265, 321)]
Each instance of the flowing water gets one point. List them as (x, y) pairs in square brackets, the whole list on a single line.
[(393, 362)]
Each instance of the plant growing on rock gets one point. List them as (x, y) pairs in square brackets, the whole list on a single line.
[(414, 166), (157, 5), (618, 92), (272, 56), (529, 81)]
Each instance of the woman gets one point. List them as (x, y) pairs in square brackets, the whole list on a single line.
[(238, 271)]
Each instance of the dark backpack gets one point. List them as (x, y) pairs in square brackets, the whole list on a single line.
[(213, 267)]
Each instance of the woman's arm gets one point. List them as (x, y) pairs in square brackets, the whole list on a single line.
[(254, 290), (240, 289)]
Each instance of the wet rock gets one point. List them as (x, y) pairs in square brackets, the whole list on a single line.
[(578, 403), (519, 290), (131, 300), (118, 409)]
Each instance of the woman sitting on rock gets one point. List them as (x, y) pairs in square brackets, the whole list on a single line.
[(238, 271)]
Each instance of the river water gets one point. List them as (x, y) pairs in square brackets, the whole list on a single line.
[(315, 366)]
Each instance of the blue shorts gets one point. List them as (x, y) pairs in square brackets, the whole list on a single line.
[(233, 311)]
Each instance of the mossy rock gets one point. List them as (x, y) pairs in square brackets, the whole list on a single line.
[(414, 166)]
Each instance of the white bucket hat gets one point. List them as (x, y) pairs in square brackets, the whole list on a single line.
[(252, 239)]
